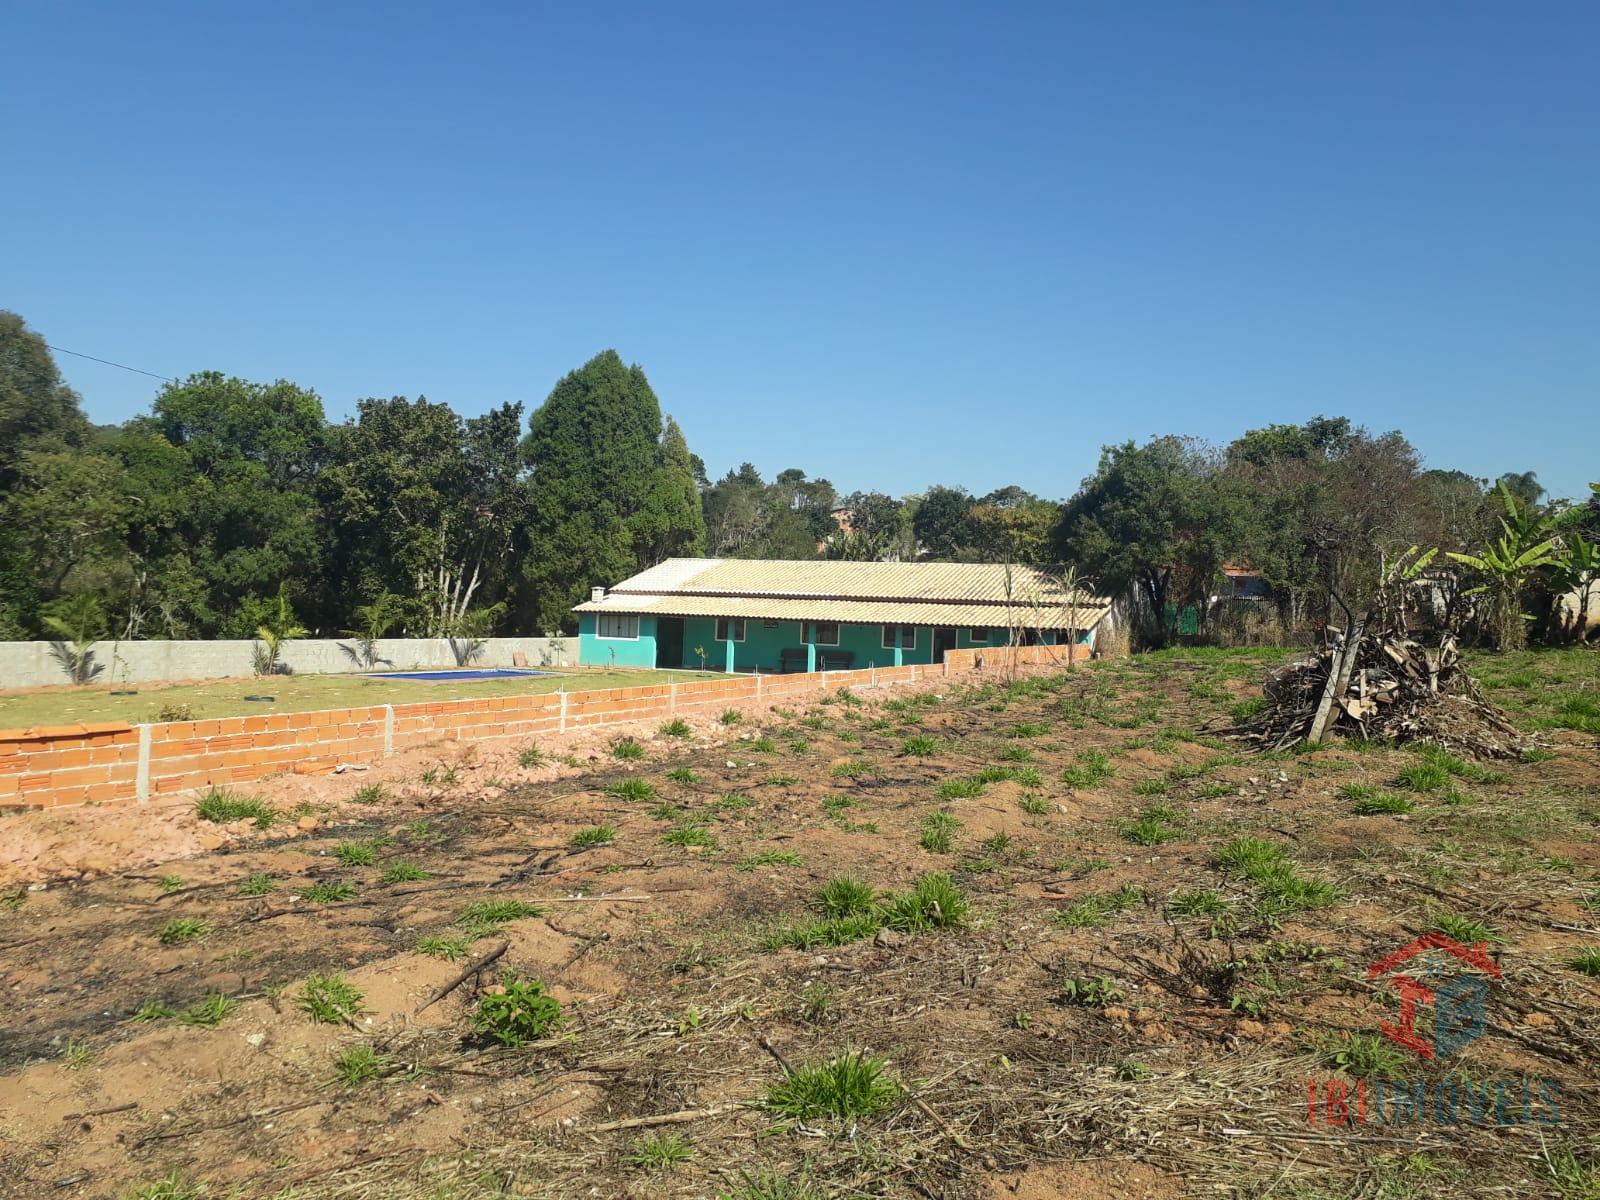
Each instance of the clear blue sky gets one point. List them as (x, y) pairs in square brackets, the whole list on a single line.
[(893, 245)]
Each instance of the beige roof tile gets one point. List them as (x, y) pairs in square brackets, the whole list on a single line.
[(982, 594)]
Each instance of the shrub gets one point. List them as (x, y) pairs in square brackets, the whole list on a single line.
[(520, 1012), (848, 1087)]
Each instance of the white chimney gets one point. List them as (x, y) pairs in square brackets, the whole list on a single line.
[(596, 594)]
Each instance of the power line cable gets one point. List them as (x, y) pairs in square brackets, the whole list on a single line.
[(109, 363)]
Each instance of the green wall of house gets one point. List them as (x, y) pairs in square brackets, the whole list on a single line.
[(763, 645), (595, 651)]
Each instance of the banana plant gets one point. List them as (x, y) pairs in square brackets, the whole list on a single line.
[(1507, 564), (1577, 576)]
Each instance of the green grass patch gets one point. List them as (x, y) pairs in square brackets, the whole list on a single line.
[(222, 806), (595, 835), (1091, 767), (937, 831), (329, 999), (849, 1087)]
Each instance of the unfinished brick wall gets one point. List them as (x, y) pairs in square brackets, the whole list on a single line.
[(59, 765)]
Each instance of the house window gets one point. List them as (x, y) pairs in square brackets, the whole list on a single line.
[(730, 629), (619, 626), (977, 636), (823, 633), (907, 635)]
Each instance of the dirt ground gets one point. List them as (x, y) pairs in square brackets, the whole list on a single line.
[(1128, 1008)]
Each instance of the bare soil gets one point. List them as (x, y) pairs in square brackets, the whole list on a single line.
[(1118, 1016)]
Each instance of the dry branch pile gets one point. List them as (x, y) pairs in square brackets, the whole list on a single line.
[(1381, 683)]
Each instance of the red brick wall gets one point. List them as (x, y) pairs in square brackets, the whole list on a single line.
[(96, 764)]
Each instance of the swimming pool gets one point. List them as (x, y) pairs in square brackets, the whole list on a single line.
[(457, 676)]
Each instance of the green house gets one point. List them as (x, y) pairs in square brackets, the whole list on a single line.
[(725, 614)]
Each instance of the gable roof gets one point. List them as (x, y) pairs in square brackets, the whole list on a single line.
[(981, 594)]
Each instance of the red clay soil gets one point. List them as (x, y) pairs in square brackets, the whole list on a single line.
[(1119, 1013)]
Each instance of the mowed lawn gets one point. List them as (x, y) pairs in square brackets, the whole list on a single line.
[(290, 693)]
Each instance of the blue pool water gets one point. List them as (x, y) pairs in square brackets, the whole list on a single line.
[(453, 676)]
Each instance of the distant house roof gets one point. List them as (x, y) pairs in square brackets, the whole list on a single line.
[(980, 594)]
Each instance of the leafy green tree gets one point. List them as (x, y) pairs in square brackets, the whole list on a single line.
[(672, 522), (943, 524), (38, 411), (1156, 520), (238, 502), (1013, 526), (427, 506), (598, 507)]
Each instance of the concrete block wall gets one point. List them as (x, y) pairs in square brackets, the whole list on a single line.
[(31, 664), (111, 763)]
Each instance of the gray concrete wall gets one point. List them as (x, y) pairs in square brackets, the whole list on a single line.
[(30, 664)]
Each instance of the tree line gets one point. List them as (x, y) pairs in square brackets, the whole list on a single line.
[(233, 509)]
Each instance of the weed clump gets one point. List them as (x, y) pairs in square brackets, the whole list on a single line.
[(222, 806), (847, 1087), (518, 1012), (938, 828), (631, 789), (329, 999), (627, 749), (598, 835), (183, 929)]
